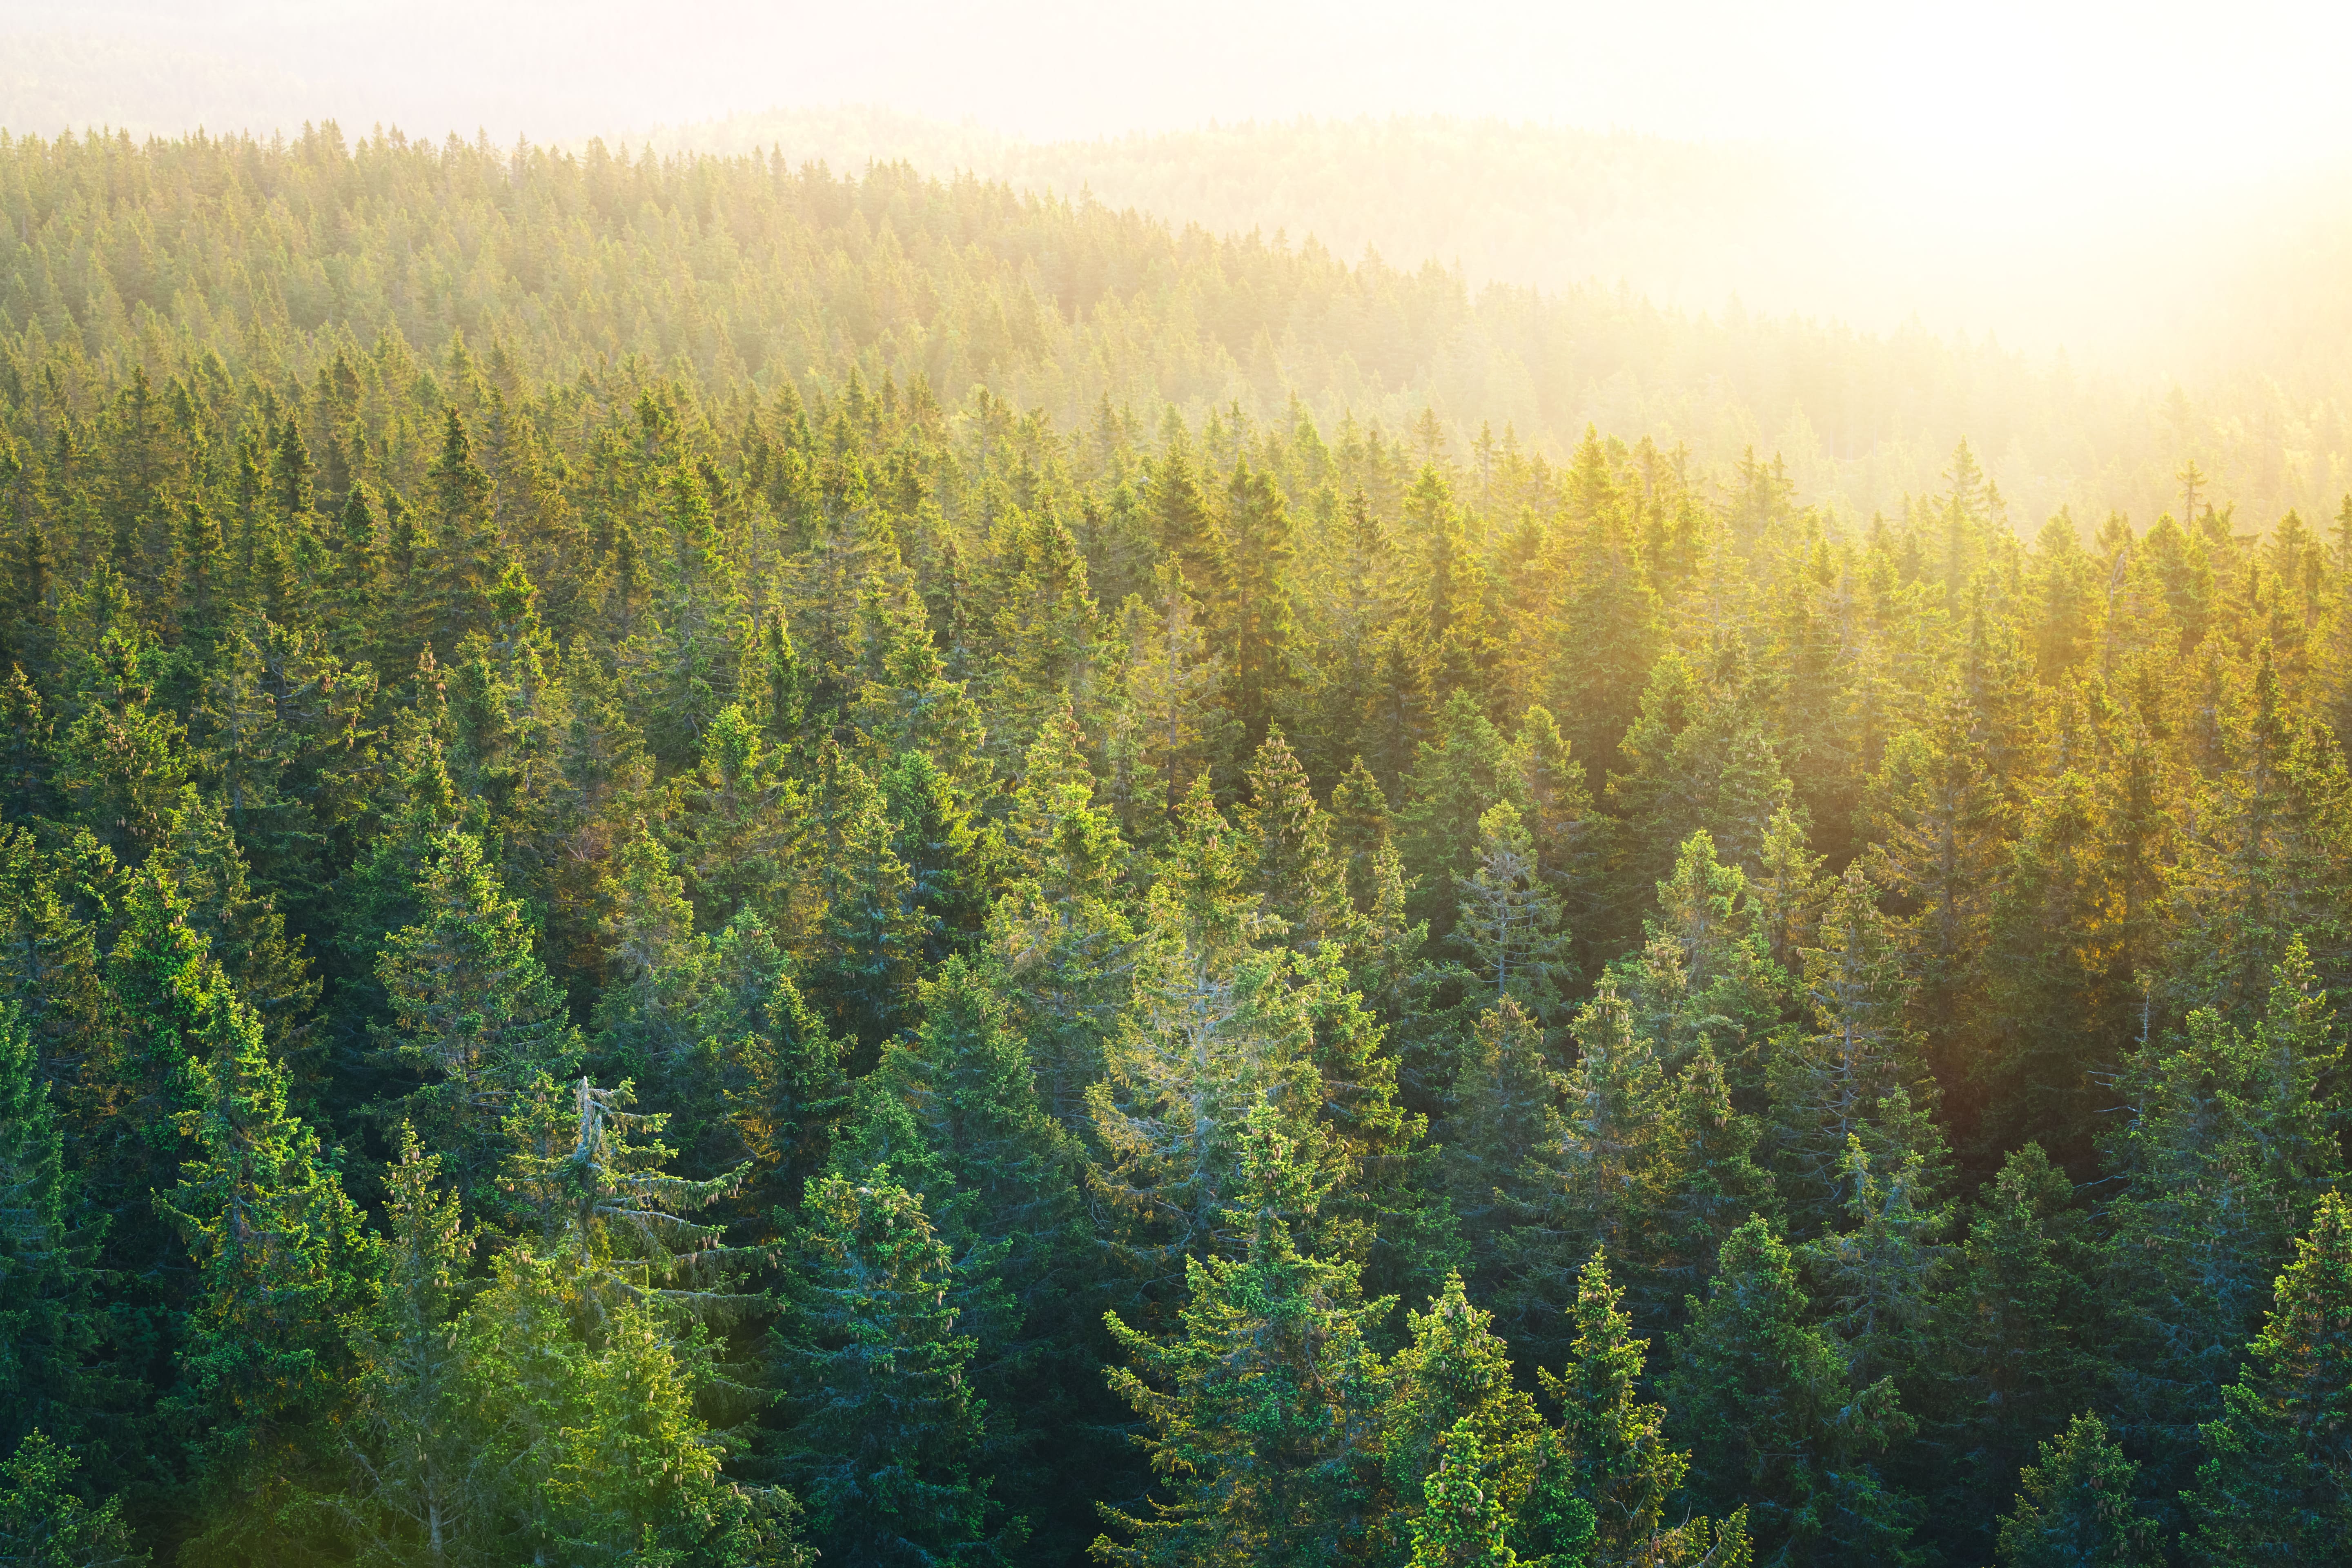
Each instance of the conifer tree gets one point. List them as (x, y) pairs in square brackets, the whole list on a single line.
[(593, 1353), (475, 1014), (1506, 1108), (718, 1025), (1258, 621), (1461, 1523), (282, 1257), (1453, 784), (2017, 1315), (1700, 755), (1880, 1274), (1259, 1411), (2075, 1508), (1213, 1026), (2274, 1485), (1509, 919), (872, 933), (1166, 726), (1058, 931), (1828, 1083), (1716, 1183), (1612, 1450), (121, 761), (1296, 874), (588, 1181), (735, 832), (51, 1293), (1774, 1419), (2228, 1149), (160, 983), (882, 1427), (417, 1485), (44, 1523), (1704, 975), (1570, 836), (243, 929), (1605, 1177), (1451, 1382)]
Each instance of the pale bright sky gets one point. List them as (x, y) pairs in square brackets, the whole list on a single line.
[(2146, 87)]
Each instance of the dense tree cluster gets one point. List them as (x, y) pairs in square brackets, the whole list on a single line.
[(628, 966), (764, 268)]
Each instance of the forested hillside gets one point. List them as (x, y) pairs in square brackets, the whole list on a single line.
[(760, 269), (703, 863)]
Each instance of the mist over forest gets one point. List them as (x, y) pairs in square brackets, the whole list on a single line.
[(1433, 794)]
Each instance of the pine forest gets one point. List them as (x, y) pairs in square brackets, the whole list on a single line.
[(709, 863)]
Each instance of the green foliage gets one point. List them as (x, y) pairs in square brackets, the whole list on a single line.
[(43, 1524), (2076, 1506), (1044, 816), (2272, 1487), (2231, 1147), (1461, 1524), (882, 1429), (1775, 1418), (474, 1013), (1260, 1409), (1612, 1450), (50, 1293), (282, 1257)]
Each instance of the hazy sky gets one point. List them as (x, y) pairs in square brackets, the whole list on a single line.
[(2141, 88)]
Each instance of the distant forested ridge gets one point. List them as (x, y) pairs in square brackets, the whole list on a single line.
[(761, 269), (699, 863)]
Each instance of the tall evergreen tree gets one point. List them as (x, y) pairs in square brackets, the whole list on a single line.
[(1613, 1451), (475, 1016), (882, 1428), (2075, 1508), (1259, 1409), (1774, 1418), (282, 1257), (51, 1295), (2228, 1149), (2276, 1482)]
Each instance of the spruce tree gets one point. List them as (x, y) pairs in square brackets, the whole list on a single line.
[(1058, 931), (1612, 1450), (1296, 874), (51, 1295), (881, 1429), (1451, 1382), (1462, 1523), (282, 1257), (1774, 1418), (594, 1359), (1508, 918), (1506, 1108), (2276, 1482), (417, 1481), (1603, 1179), (1717, 1184), (1704, 975), (1260, 1409), (736, 829), (1828, 1081), (2017, 1322), (2227, 1150), (1213, 1027), (475, 1014), (44, 1522), (2076, 1508)]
